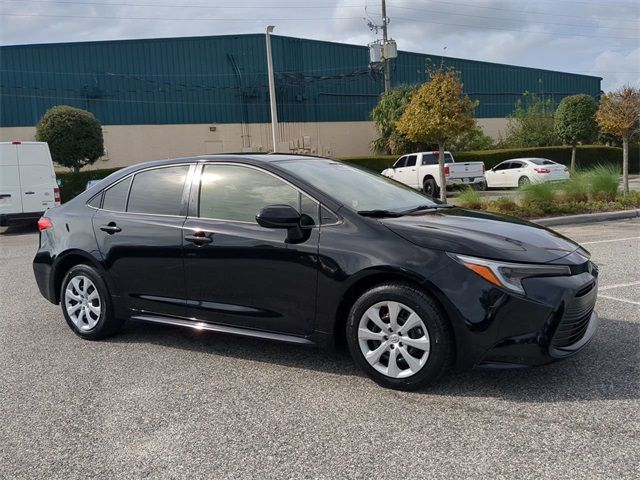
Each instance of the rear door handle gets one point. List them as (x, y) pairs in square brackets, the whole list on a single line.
[(29, 193), (110, 228), (198, 238), (5, 195)]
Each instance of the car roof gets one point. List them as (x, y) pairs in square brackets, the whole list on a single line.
[(528, 159)]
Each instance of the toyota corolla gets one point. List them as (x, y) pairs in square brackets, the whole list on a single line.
[(313, 251)]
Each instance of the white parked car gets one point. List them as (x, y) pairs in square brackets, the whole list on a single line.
[(521, 171), (420, 170), (28, 184)]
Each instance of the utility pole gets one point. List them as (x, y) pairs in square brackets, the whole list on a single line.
[(387, 72), (272, 91)]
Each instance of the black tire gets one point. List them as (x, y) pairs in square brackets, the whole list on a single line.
[(441, 351), (430, 187), (107, 324), (523, 181), (481, 186)]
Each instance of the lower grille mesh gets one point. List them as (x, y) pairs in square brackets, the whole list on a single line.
[(576, 318)]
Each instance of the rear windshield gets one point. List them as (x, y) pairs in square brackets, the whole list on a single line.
[(541, 161)]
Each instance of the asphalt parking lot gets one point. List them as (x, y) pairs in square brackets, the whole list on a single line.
[(158, 402)]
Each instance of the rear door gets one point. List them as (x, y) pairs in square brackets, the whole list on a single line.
[(10, 195), (139, 234), (239, 273), (37, 178)]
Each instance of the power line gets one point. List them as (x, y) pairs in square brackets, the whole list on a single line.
[(523, 12), (160, 5), (317, 19)]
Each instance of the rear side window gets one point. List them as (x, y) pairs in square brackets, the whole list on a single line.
[(411, 160), (432, 158), (515, 165), (115, 198), (158, 191)]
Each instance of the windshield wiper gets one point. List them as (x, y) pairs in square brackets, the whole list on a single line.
[(427, 207), (379, 213)]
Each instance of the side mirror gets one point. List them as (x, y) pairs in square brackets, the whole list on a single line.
[(278, 216), (284, 216)]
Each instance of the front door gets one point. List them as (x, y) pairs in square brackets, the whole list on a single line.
[(239, 273), (408, 173), (139, 234)]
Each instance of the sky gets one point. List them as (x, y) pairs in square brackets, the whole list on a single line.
[(593, 37)]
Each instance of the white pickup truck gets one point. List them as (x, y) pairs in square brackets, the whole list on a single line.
[(420, 170)]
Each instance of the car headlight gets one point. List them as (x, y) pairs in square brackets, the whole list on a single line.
[(509, 275)]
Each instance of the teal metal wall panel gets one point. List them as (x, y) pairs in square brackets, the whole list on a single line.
[(223, 80)]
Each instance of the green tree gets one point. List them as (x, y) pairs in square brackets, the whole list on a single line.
[(575, 122), (385, 115), (440, 113), (531, 124), (74, 136), (619, 114), (474, 139)]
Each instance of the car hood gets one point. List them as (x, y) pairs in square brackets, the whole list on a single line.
[(482, 234)]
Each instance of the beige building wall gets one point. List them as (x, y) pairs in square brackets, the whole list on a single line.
[(130, 144)]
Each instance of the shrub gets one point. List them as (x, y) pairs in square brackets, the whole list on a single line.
[(75, 183), (503, 205), (74, 136), (469, 198), (588, 156), (604, 181), (540, 194), (576, 189)]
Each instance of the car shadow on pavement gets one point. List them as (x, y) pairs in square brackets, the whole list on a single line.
[(607, 369)]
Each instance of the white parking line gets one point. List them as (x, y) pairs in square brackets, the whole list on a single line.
[(617, 285), (619, 299), (607, 241)]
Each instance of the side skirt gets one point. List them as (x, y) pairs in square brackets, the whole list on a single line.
[(197, 325)]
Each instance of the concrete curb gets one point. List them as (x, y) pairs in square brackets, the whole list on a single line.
[(587, 218)]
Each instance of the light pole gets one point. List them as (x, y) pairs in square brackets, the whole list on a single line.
[(386, 66), (272, 91)]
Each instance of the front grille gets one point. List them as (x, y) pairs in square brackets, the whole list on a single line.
[(576, 317)]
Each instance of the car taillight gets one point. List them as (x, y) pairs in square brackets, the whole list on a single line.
[(56, 195), (446, 170), (44, 223), (542, 170)]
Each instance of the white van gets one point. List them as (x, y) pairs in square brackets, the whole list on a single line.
[(27, 182)]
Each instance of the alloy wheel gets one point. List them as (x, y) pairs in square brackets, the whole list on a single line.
[(83, 303), (393, 339)]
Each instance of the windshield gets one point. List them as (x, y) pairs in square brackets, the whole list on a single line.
[(356, 188)]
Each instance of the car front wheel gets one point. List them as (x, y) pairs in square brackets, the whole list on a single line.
[(398, 337), (86, 304)]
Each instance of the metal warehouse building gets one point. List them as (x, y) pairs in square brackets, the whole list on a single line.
[(181, 96)]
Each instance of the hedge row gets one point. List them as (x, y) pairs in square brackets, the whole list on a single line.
[(587, 156), (73, 184)]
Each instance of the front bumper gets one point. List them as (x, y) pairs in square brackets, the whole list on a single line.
[(496, 328)]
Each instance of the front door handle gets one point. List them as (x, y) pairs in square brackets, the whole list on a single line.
[(29, 193), (110, 228), (198, 238)]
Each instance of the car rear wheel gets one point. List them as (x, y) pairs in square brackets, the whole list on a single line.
[(398, 337), (86, 304), (523, 181), (430, 187)]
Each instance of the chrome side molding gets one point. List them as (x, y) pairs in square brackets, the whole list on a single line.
[(198, 325)]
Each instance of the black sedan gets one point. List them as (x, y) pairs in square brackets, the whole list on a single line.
[(313, 251)]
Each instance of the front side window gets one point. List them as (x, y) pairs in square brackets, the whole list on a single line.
[(401, 162), (502, 166), (158, 191), (238, 193), (115, 198)]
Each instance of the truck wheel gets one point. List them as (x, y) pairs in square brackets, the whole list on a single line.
[(430, 187), (482, 186)]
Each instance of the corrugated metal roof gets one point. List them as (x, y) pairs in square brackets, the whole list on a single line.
[(223, 79)]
